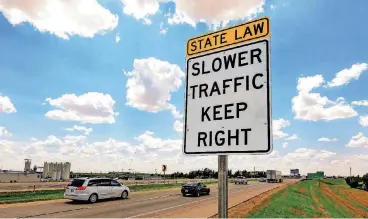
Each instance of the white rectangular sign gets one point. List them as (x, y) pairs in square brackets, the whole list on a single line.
[(228, 101)]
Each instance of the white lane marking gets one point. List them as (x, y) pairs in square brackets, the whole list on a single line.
[(175, 206), (168, 208)]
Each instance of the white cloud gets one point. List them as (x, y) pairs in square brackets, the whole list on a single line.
[(363, 121), (86, 130), (151, 83), (4, 132), (293, 137), (327, 139), (117, 38), (346, 75), (313, 107), (214, 13), (360, 103), (272, 7), (84, 18), (163, 30), (358, 140), (362, 156), (90, 107), (141, 9), (279, 124), (211, 12), (178, 126), (308, 154), (284, 144), (6, 106)]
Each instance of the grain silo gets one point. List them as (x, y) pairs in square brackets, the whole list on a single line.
[(45, 172), (66, 171)]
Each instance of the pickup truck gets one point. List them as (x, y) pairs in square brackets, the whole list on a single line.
[(241, 180)]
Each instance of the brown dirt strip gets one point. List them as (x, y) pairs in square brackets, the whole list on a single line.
[(243, 209), (320, 207), (355, 211)]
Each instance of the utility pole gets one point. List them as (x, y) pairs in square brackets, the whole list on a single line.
[(254, 172), (350, 171)]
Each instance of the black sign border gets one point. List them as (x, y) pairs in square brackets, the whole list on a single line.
[(269, 148)]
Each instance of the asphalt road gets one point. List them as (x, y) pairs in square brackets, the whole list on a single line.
[(164, 203)]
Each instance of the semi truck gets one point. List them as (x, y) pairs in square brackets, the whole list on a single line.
[(274, 176)]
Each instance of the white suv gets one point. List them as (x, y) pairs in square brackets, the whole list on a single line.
[(93, 189)]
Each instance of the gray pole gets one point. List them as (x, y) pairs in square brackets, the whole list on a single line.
[(350, 171), (222, 186)]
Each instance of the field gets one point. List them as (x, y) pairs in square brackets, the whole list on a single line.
[(29, 196), (309, 198)]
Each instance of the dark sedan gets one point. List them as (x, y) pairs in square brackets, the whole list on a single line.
[(194, 188)]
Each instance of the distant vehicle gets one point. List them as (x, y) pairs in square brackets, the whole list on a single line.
[(274, 176), (94, 189), (195, 188), (241, 180), (262, 179), (45, 180)]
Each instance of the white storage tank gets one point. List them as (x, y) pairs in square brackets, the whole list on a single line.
[(45, 172)]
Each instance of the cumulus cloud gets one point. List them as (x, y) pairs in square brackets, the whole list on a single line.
[(86, 130), (363, 121), (284, 144), (293, 137), (279, 124), (63, 18), (360, 103), (90, 107), (150, 84), (214, 13), (346, 75), (358, 140), (141, 9), (313, 107), (327, 139), (308, 154), (117, 38), (4, 132), (163, 30), (6, 106), (178, 126)]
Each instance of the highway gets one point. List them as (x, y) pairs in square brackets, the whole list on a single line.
[(159, 203)]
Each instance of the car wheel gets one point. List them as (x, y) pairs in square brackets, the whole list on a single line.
[(208, 193), (198, 193), (184, 194), (93, 198), (124, 195)]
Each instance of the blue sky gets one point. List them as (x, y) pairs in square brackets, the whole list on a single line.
[(61, 53)]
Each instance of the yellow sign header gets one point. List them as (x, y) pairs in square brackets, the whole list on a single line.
[(256, 29)]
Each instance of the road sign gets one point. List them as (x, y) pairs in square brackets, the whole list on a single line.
[(253, 30), (228, 96), (228, 101), (164, 168)]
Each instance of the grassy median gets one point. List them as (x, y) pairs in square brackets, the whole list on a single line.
[(311, 198), (29, 196)]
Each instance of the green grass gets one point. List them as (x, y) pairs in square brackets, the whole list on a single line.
[(29, 196), (306, 200)]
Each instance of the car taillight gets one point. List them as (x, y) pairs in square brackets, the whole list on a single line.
[(81, 188)]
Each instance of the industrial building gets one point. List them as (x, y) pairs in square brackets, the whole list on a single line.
[(56, 171), (51, 171)]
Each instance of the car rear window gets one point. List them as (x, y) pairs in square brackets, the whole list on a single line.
[(77, 182)]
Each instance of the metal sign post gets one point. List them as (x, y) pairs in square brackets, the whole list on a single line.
[(222, 186)]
